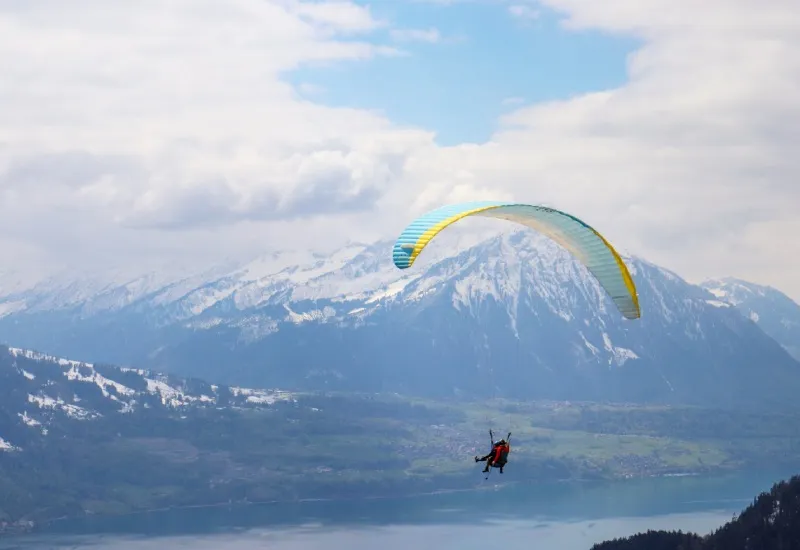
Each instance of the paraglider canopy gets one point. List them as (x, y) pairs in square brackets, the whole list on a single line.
[(587, 245)]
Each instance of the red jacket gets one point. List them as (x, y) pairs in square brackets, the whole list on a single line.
[(499, 451)]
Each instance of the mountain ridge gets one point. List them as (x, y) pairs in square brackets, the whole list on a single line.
[(775, 312), (512, 314), (49, 388)]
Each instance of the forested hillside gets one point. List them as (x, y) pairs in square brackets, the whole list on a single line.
[(772, 522)]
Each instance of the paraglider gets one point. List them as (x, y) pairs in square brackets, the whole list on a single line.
[(498, 455), (587, 245), (584, 243)]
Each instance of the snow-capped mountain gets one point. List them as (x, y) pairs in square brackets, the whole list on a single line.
[(39, 391), (776, 313), (510, 315)]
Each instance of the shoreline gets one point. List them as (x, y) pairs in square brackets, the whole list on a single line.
[(28, 527)]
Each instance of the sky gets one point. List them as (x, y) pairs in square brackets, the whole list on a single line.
[(137, 133)]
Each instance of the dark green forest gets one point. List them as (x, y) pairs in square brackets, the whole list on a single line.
[(771, 522)]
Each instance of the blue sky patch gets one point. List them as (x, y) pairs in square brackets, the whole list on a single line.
[(487, 62)]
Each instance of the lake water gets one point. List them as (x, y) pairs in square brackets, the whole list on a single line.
[(530, 516)]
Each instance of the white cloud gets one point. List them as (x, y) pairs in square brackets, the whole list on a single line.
[(523, 11), (174, 116), (693, 162), (335, 15), (141, 130), (310, 89), (430, 35)]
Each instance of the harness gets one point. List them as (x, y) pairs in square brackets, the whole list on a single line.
[(501, 454)]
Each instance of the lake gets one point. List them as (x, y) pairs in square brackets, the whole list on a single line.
[(567, 516)]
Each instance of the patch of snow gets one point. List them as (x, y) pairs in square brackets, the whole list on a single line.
[(205, 324), (622, 355), (170, 396), (27, 420), (43, 401), (717, 303), (47, 402), (173, 397), (754, 316), (96, 378), (390, 291), (595, 351), (206, 297), (6, 446), (619, 355), (732, 291), (36, 356), (273, 264), (314, 315), (472, 288), (11, 307)]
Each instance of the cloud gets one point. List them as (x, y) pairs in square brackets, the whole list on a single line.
[(337, 17), (430, 35), (141, 115), (142, 129), (690, 163), (308, 88), (523, 11)]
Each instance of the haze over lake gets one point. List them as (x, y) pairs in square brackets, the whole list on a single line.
[(567, 516)]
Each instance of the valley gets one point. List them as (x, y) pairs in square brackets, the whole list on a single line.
[(97, 439)]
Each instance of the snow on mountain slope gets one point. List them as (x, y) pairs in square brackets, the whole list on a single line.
[(38, 389), (6, 446), (776, 313), (510, 314), (356, 272)]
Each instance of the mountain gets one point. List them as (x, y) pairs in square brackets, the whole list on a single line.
[(52, 387), (39, 393), (773, 311), (78, 439), (772, 522), (513, 315), (82, 439)]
